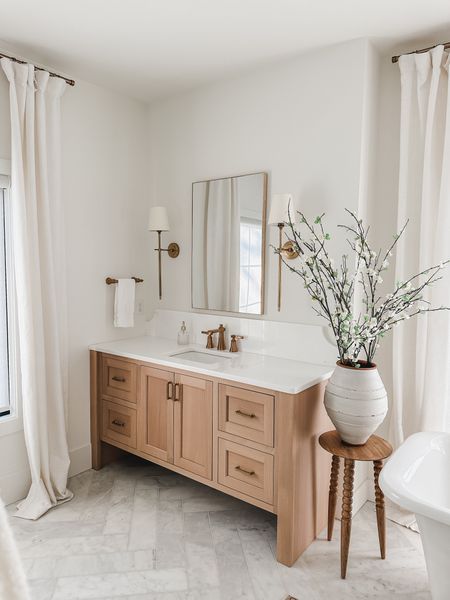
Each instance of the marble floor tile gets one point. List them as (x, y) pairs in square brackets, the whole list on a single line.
[(159, 596), (201, 568), (39, 548), (197, 528), (119, 585), (139, 532), (170, 552), (262, 567), (120, 511), (143, 521), (42, 589), (234, 576), (91, 564)]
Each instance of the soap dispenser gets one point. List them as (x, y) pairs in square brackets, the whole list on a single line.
[(183, 336)]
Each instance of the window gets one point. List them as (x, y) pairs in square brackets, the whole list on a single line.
[(250, 266), (5, 384)]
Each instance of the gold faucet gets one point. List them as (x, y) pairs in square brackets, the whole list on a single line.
[(210, 341), (221, 342), (234, 344)]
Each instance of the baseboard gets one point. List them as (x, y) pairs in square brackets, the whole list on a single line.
[(371, 493), (360, 496), (14, 486), (80, 460)]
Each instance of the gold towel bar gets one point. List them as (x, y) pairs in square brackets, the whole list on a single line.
[(111, 280)]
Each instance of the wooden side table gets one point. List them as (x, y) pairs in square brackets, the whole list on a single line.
[(376, 449)]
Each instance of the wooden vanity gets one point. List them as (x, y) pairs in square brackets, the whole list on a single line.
[(252, 443)]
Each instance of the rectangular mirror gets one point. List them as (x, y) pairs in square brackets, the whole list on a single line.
[(228, 243)]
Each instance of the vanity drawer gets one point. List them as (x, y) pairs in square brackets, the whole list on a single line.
[(246, 413), (119, 379), (246, 470), (118, 423)]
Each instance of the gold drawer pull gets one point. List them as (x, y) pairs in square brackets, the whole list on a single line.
[(245, 414), (116, 378), (169, 390), (239, 468), (118, 423)]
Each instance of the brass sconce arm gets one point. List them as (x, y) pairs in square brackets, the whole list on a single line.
[(283, 210), (286, 250), (173, 250)]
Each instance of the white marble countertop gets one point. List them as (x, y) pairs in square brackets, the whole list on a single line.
[(279, 374)]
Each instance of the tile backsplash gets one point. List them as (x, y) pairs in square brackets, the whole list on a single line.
[(296, 341)]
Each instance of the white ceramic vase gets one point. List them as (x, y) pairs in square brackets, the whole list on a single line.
[(356, 402)]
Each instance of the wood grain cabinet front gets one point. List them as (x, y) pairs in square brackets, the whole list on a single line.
[(193, 425), (246, 470), (119, 379), (246, 413), (155, 427), (118, 423)]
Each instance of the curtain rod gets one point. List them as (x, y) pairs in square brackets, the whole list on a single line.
[(24, 62), (421, 51)]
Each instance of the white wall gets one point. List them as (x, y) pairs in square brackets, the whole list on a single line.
[(105, 195), (302, 121), (105, 191), (383, 209)]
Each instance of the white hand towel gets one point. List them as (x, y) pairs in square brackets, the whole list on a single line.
[(124, 303)]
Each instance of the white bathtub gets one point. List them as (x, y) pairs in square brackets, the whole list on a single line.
[(417, 477)]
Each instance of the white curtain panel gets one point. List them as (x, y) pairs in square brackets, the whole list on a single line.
[(223, 245), (421, 357), (199, 249), (13, 582), (37, 222)]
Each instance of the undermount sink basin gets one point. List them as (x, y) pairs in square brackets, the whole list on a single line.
[(204, 358)]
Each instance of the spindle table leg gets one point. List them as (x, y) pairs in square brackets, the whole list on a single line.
[(332, 495), (346, 521), (379, 503)]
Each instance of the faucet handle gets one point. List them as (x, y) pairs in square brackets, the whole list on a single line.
[(209, 341), (234, 344)]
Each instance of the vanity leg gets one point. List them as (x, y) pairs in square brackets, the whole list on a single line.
[(96, 444), (303, 471), (379, 503), (101, 452), (332, 495), (346, 520)]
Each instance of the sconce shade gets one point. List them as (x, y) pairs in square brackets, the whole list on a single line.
[(158, 219), (281, 204)]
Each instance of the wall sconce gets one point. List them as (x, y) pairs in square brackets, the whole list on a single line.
[(282, 205), (159, 221)]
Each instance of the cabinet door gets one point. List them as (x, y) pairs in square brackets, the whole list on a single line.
[(155, 421), (193, 427)]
